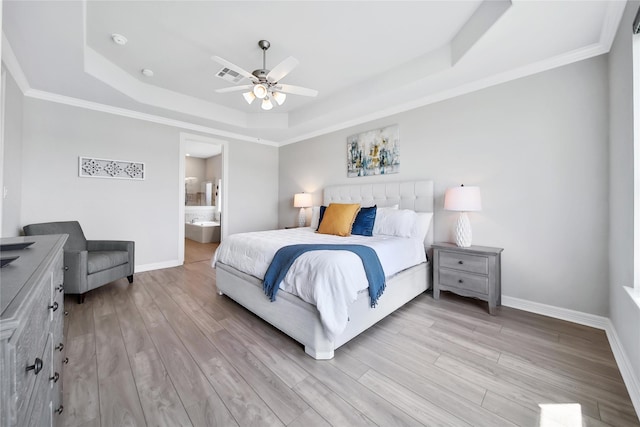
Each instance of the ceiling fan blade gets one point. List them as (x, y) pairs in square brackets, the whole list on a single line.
[(234, 67), (282, 69), (296, 90), (234, 88)]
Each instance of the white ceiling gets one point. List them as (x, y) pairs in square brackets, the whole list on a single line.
[(367, 59), (202, 150)]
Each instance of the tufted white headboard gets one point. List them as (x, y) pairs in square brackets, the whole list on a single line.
[(415, 195)]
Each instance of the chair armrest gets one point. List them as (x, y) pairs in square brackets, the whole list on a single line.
[(115, 245), (109, 245), (75, 272)]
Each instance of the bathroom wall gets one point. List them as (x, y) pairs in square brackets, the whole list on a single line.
[(199, 213)]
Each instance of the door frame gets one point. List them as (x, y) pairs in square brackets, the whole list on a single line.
[(224, 145)]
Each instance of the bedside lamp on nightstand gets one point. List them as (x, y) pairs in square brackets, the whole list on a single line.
[(302, 200), (463, 199)]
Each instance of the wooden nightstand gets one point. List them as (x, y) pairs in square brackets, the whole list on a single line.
[(471, 272)]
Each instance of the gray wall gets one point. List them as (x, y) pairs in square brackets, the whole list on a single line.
[(624, 313), (12, 159), (252, 187), (54, 135), (537, 147)]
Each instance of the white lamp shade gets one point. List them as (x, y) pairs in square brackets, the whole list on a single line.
[(302, 200), (249, 97), (462, 199), (266, 104), (260, 91), (279, 97)]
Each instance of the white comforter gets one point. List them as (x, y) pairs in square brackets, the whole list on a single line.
[(330, 280)]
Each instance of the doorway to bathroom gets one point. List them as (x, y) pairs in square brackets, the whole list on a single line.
[(202, 196)]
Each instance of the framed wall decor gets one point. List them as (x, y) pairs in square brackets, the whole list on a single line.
[(91, 167), (375, 152)]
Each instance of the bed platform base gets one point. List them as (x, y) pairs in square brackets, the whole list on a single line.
[(301, 321)]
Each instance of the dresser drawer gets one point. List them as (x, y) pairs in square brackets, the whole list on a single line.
[(40, 401), (29, 344), (464, 281), (464, 262), (58, 270)]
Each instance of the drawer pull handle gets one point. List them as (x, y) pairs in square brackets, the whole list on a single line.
[(54, 307), (59, 410), (66, 313), (59, 347), (60, 288), (66, 361), (55, 377), (66, 268), (36, 367), (459, 280), (460, 262)]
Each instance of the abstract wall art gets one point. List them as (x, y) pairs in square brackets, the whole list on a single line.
[(91, 167), (375, 152)]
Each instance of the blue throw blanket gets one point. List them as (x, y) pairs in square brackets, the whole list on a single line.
[(285, 257)]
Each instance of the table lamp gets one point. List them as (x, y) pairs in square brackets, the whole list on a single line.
[(463, 199), (302, 200)]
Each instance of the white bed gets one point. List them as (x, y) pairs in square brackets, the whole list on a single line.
[(301, 320)]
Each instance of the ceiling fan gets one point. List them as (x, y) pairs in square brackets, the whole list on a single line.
[(265, 84)]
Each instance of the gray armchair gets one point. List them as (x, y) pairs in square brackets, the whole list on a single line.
[(88, 264)]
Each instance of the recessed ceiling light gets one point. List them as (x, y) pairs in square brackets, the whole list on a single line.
[(147, 72), (119, 39), (188, 154)]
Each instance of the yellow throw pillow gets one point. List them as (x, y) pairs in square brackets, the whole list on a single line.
[(338, 219)]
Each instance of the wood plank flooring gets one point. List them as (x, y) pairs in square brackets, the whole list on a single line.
[(168, 351)]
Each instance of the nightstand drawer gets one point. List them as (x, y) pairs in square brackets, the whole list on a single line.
[(460, 280), (464, 262)]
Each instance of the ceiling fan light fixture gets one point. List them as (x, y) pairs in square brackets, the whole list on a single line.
[(260, 91), (279, 97), (249, 97), (266, 104)]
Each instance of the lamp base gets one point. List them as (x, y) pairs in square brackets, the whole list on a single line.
[(463, 231), (302, 218)]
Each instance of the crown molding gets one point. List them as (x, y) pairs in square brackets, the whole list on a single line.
[(13, 66), (89, 105), (615, 11), (496, 79)]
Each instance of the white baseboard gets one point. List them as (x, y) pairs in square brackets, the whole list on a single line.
[(631, 381), (158, 265)]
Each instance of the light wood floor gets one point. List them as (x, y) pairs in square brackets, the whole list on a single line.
[(195, 251), (168, 351)]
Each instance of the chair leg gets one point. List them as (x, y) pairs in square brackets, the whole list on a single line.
[(80, 298), (130, 278)]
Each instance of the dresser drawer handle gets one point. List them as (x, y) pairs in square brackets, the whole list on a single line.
[(60, 288), (66, 268), (36, 367), (66, 313), (55, 377), (66, 361), (59, 347), (59, 410), (460, 262), (460, 281), (54, 307)]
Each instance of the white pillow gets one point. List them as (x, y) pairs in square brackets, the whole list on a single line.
[(422, 225), (315, 217), (393, 222)]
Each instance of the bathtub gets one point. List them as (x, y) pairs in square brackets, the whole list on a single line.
[(202, 231)]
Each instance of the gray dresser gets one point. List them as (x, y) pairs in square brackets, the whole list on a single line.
[(31, 328)]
